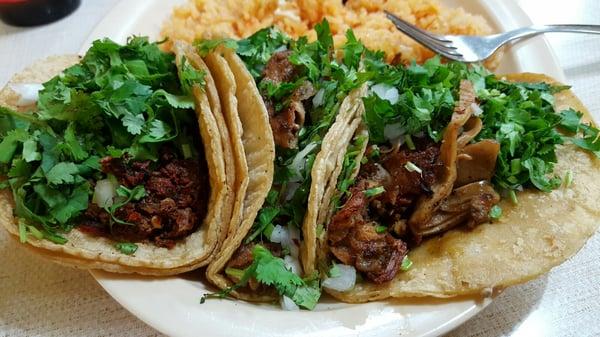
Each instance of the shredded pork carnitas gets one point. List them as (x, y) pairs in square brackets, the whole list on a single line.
[(426, 191)]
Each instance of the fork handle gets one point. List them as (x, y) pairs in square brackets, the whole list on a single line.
[(541, 29)]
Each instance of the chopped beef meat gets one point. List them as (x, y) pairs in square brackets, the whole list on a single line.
[(279, 68), (174, 205), (286, 123), (354, 240), (402, 187), (242, 257)]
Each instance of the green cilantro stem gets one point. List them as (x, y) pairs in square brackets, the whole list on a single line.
[(409, 142), (406, 264), (380, 229), (375, 191)]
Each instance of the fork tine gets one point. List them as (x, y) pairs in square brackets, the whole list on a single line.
[(399, 21), (434, 43)]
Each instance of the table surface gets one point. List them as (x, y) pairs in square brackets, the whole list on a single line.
[(43, 299)]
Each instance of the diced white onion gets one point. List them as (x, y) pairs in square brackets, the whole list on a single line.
[(387, 92), (393, 132), (318, 100), (411, 167), (476, 109), (279, 235), (293, 264), (299, 161), (104, 193), (288, 304), (344, 282), (28, 92), (287, 238)]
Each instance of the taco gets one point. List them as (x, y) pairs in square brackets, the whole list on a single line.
[(457, 182), (109, 167), (289, 93)]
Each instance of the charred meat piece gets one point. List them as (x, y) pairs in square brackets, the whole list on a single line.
[(174, 205), (403, 187), (286, 123), (354, 241)]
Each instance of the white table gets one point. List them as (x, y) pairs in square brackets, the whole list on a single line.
[(40, 298)]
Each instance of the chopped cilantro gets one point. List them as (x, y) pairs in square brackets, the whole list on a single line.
[(375, 191), (380, 229), (520, 116), (334, 271), (568, 179), (495, 212), (119, 100), (406, 264), (271, 271), (126, 248)]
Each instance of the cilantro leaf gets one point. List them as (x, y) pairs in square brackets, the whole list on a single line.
[(190, 76), (256, 50), (30, 151), (62, 173), (271, 271)]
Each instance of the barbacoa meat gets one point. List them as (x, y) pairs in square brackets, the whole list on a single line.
[(403, 187), (174, 205), (354, 241), (286, 123)]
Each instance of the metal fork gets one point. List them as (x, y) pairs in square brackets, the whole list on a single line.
[(465, 48)]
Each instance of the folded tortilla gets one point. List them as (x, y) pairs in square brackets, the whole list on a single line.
[(530, 238), (243, 98), (93, 252)]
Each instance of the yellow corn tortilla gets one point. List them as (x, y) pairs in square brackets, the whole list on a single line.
[(87, 251), (259, 153), (328, 163), (211, 93), (530, 238), (226, 87)]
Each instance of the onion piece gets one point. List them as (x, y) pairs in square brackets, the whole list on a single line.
[(386, 92), (288, 304), (28, 92), (344, 282), (293, 264), (104, 193), (477, 111), (297, 165), (279, 235)]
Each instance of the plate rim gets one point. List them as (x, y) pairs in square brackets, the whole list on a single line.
[(105, 28)]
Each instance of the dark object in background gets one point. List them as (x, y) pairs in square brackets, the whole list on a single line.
[(35, 12)]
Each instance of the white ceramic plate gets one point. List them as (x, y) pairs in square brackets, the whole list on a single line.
[(171, 305)]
